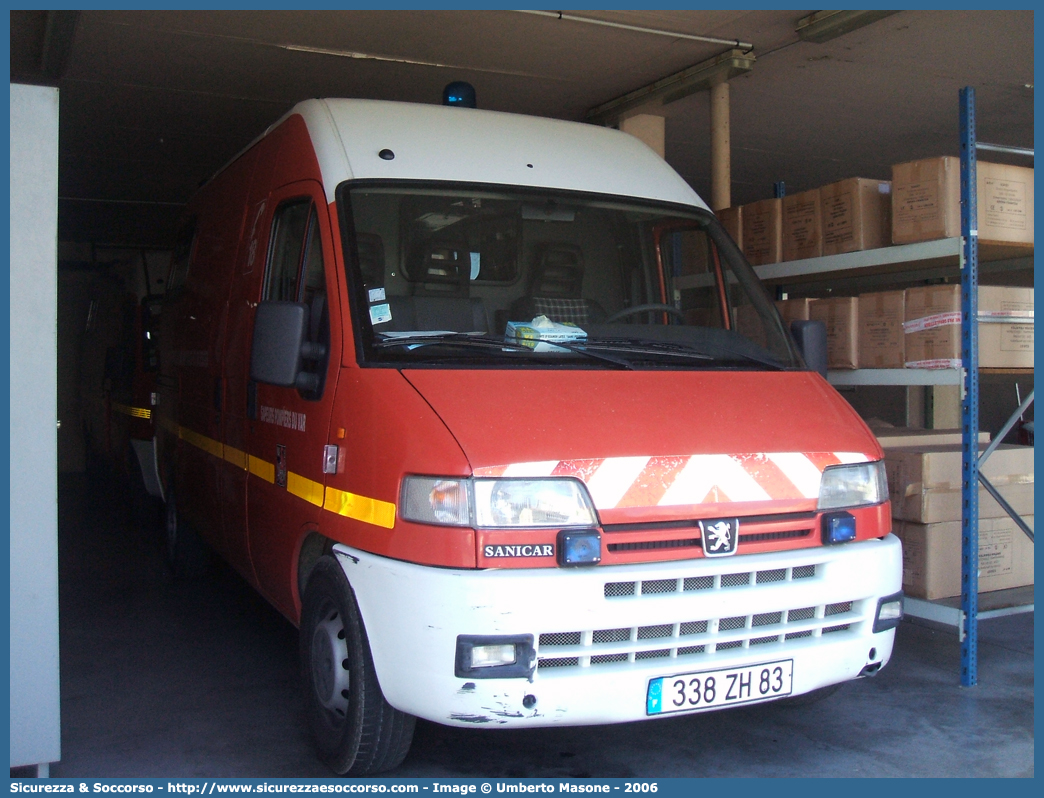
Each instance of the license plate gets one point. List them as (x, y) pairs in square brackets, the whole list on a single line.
[(724, 687)]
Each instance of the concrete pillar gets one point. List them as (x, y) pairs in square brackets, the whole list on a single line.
[(35, 711), (648, 128), (721, 158)]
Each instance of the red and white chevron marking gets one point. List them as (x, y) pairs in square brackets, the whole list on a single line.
[(618, 482)]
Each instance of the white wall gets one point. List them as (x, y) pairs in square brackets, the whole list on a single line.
[(35, 729)]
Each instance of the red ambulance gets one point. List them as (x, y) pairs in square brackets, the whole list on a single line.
[(494, 410)]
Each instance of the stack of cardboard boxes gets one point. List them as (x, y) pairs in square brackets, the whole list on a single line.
[(924, 485), (926, 201), (920, 327), (846, 216), (921, 203)]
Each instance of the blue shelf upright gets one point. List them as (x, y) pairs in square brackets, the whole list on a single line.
[(970, 400), (971, 460)]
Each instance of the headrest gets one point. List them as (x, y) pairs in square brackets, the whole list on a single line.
[(440, 268), (559, 271)]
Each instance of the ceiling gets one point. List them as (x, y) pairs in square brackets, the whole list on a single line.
[(154, 102)]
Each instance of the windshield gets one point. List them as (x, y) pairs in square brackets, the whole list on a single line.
[(474, 276)]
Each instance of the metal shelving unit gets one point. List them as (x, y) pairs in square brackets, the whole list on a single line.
[(961, 255), (895, 377)]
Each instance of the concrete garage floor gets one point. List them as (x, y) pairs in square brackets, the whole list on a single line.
[(171, 679)]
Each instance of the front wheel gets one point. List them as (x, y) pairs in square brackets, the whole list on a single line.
[(186, 554), (356, 730)]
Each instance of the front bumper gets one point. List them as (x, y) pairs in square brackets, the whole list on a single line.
[(602, 633)]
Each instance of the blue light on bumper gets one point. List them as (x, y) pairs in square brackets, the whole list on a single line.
[(838, 528), (579, 547)]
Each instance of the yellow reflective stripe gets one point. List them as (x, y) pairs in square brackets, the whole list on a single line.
[(361, 508), (136, 412), (350, 505), (208, 445), (235, 456), (261, 468), (304, 488)]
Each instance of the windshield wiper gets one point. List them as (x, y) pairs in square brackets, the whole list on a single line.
[(680, 350), (414, 340)]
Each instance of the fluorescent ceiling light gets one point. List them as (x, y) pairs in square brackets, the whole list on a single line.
[(822, 26)]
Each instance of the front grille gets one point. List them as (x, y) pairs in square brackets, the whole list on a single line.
[(688, 543), (788, 534), (692, 639), (618, 589), (655, 632), (561, 639), (645, 545), (611, 635), (688, 584)]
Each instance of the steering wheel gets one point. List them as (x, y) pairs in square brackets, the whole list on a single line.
[(652, 306)]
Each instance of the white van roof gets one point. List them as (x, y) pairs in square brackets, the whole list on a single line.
[(436, 142)]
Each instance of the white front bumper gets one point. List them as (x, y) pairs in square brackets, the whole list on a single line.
[(602, 633)]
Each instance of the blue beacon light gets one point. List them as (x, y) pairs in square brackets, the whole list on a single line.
[(459, 93)]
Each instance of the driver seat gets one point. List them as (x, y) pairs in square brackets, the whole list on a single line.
[(555, 287)]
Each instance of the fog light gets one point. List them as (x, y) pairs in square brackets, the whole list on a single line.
[(838, 528), (579, 547), (494, 656), (889, 612), (491, 656)]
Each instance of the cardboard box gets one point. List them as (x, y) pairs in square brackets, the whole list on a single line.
[(841, 317), (763, 231), (732, 220), (750, 324), (924, 482), (802, 232), (856, 214), (793, 309), (1007, 343), (926, 201), (933, 327), (1005, 203), (893, 437), (881, 334), (932, 557)]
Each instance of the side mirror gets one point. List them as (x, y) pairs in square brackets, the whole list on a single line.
[(811, 338), (280, 333)]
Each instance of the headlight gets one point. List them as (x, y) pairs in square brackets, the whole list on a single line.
[(532, 503), (853, 485), (498, 503)]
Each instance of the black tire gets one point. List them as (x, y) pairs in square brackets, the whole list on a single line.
[(811, 697), (145, 509), (356, 731), (186, 554)]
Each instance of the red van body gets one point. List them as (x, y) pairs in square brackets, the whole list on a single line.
[(493, 410)]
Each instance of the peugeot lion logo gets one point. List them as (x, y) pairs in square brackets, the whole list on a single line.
[(719, 537)]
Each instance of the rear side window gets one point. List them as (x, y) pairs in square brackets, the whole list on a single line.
[(295, 273)]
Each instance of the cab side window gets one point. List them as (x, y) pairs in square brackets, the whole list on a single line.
[(296, 273)]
